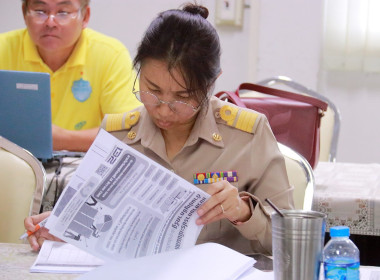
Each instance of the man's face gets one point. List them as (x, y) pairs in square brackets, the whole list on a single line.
[(61, 30)]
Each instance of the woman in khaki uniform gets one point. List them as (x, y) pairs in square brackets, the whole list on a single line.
[(186, 131), (200, 137)]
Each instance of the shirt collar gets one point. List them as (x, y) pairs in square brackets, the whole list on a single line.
[(205, 128), (78, 56), (149, 134), (145, 129), (30, 49)]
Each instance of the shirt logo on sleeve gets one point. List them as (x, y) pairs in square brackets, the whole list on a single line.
[(81, 90)]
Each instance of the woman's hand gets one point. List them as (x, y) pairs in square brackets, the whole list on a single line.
[(36, 239), (223, 203)]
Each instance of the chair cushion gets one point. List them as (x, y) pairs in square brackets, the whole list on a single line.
[(17, 186), (297, 179)]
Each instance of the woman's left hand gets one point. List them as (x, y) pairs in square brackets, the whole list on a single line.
[(224, 202)]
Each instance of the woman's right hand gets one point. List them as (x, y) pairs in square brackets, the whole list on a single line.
[(36, 239)]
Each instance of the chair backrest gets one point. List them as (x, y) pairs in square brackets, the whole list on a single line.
[(22, 184), (301, 177), (330, 123)]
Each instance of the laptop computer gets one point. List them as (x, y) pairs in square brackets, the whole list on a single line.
[(25, 112)]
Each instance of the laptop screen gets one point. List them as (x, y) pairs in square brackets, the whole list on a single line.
[(25, 111)]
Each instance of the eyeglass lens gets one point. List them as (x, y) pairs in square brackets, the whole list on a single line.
[(60, 18), (176, 106)]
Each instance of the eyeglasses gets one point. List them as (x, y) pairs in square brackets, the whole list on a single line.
[(178, 107), (61, 18), (150, 99)]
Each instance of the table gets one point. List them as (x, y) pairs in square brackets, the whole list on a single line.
[(15, 261), (349, 194)]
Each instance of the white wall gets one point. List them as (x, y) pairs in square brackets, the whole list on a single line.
[(127, 20), (289, 44), (289, 40), (286, 35)]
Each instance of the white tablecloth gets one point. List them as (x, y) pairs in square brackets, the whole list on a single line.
[(349, 194)]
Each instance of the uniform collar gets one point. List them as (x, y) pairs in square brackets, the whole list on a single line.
[(145, 129), (205, 128), (148, 133)]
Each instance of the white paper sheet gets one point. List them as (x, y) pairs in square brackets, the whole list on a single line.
[(60, 257), (206, 261), (256, 274), (369, 273)]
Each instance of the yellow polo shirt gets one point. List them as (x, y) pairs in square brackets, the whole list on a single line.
[(96, 80)]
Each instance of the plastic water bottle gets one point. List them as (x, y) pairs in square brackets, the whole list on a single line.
[(341, 256)]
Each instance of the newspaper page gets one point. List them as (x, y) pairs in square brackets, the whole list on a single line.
[(120, 204)]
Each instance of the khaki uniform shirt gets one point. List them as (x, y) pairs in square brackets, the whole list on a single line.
[(216, 144)]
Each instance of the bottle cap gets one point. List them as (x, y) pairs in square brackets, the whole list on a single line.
[(340, 231)]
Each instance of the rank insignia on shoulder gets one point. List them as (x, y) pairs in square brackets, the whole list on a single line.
[(212, 177), (115, 122), (239, 118)]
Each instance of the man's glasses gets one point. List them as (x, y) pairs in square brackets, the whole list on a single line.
[(178, 107), (61, 18)]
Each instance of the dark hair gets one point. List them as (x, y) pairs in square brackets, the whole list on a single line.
[(186, 41)]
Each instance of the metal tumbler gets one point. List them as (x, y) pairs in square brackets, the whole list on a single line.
[(298, 240)]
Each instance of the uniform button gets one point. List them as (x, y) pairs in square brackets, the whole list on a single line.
[(172, 170), (217, 114), (131, 135), (217, 137)]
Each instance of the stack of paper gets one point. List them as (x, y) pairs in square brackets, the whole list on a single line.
[(60, 257), (205, 261)]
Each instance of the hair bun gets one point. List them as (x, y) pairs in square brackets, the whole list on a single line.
[(196, 10)]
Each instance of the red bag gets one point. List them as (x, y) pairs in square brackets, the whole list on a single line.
[(294, 118)]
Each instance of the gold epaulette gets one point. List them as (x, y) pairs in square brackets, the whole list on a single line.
[(115, 122), (239, 118)]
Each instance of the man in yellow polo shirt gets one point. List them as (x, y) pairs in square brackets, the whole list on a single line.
[(91, 74)]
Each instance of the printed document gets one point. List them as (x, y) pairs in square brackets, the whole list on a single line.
[(121, 205)]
